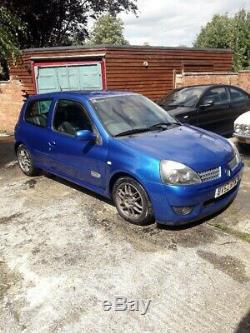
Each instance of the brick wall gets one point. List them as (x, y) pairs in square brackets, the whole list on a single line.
[(11, 101), (241, 79), (244, 80), (11, 92)]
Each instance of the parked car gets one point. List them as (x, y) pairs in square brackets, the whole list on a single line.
[(212, 107), (125, 147), (242, 128)]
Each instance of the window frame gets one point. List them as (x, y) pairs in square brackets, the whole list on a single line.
[(93, 126), (239, 90), (28, 108)]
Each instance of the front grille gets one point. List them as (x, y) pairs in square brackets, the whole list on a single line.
[(209, 175), (233, 163)]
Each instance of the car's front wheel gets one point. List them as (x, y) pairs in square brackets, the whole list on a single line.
[(132, 201), (25, 161)]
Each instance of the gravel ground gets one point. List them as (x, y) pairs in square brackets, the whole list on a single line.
[(64, 251)]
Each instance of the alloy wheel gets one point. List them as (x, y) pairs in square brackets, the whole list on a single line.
[(24, 160), (129, 201)]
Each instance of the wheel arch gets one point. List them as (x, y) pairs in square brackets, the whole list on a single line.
[(121, 174), (17, 144)]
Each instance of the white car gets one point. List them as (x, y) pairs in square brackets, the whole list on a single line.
[(242, 128)]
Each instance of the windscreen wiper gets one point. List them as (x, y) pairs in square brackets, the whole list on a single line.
[(163, 125), (133, 131)]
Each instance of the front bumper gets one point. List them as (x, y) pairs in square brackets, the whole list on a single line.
[(242, 138), (200, 196)]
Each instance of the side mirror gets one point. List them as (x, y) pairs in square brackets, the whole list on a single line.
[(207, 104), (85, 135)]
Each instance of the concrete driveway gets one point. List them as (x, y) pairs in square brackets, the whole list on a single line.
[(65, 251)]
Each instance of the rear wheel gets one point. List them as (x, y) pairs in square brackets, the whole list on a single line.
[(132, 201), (25, 161)]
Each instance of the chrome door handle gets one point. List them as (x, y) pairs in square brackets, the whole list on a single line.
[(185, 117)]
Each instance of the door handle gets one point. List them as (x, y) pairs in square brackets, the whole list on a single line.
[(51, 143), (185, 117)]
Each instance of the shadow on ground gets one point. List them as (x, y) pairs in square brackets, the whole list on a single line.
[(110, 202), (7, 153), (78, 188)]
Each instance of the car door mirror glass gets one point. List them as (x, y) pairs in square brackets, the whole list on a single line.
[(85, 135)]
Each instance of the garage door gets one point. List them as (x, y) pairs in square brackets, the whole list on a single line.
[(69, 77)]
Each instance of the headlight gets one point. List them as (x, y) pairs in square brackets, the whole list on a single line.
[(175, 173), (236, 152)]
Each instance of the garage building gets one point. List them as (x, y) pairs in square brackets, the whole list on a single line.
[(143, 69)]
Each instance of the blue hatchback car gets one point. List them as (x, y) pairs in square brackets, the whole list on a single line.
[(125, 147)]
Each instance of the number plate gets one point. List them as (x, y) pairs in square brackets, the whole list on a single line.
[(226, 188)]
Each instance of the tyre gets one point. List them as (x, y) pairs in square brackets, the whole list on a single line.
[(25, 161), (132, 201)]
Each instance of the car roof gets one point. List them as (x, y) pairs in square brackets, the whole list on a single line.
[(89, 94), (204, 86), (212, 85)]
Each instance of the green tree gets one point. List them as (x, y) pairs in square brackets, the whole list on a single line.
[(10, 28), (108, 29), (241, 40), (61, 22), (232, 32)]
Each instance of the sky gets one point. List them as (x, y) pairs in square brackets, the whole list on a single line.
[(174, 23)]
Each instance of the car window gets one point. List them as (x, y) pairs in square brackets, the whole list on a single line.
[(217, 95), (237, 95), (70, 117), (37, 112), (184, 97)]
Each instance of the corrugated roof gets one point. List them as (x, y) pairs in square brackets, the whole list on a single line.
[(114, 47)]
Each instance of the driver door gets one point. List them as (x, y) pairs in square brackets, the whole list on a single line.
[(81, 161), (213, 111)]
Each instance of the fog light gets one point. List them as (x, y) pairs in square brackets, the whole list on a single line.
[(182, 210)]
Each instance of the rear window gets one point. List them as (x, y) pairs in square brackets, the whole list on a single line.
[(37, 112), (238, 95)]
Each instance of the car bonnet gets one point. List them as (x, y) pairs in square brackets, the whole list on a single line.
[(196, 148)]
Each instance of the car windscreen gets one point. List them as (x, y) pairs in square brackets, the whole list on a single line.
[(123, 113), (188, 97)]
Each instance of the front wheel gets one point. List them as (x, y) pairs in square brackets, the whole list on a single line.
[(132, 201), (25, 161)]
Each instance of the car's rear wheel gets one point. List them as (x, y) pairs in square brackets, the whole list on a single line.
[(132, 201), (25, 161)]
